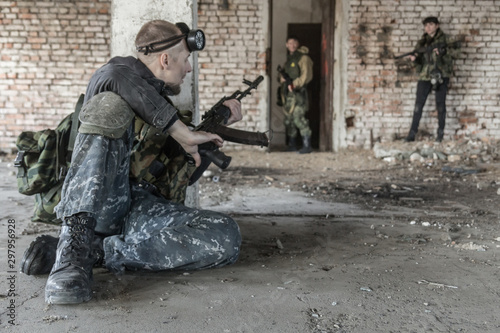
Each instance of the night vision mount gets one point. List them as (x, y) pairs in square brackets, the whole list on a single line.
[(195, 40)]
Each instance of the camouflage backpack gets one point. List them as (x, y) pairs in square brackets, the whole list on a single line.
[(42, 162), (44, 158)]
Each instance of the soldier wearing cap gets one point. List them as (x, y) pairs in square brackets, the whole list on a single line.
[(295, 100), (434, 70)]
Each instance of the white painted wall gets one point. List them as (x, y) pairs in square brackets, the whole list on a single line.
[(128, 16)]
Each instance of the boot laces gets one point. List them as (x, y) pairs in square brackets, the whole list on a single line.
[(76, 248)]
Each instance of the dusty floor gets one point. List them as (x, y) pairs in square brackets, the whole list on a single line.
[(340, 242)]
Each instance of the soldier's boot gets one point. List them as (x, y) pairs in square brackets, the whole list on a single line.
[(440, 135), (292, 144), (306, 147), (411, 136), (40, 256), (70, 280)]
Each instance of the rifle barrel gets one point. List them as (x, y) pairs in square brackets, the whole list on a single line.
[(428, 49), (404, 55)]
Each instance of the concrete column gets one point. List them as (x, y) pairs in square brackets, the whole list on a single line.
[(340, 77), (128, 16)]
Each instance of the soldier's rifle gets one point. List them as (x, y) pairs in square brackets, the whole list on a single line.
[(214, 121), (428, 49)]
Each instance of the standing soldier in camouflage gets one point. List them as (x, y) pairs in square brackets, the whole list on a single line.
[(295, 102), (434, 70), (107, 207)]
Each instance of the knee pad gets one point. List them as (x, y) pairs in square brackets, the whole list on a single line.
[(106, 114)]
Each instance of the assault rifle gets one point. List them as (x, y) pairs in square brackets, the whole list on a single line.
[(428, 49), (283, 89), (288, 79), (214, 121)]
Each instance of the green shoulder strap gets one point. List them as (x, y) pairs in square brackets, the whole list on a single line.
[(74, 123), (63, 152)]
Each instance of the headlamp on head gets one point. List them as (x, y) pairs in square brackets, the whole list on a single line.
[(195, 41)]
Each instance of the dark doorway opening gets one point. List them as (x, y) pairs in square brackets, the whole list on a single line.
[(309, 34)]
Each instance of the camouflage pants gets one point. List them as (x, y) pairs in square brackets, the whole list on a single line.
[(97, 182), (296, 107), (162, 235), (144, 231)]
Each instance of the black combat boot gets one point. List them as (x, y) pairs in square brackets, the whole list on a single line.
[(306, 147), (440, 135), (410, 137), (71, 276), (292, 144), (40, 256)]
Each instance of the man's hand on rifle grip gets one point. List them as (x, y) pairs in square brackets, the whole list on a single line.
[(189, 140)]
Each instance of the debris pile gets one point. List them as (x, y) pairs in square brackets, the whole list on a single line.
[(478, 150)]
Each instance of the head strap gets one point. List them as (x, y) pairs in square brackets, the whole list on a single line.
[(195, 40)]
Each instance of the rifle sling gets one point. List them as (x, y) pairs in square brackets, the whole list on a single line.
[(243, 137), (74, 125)]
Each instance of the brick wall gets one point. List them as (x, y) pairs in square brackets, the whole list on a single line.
[(382, 91), (49, 51), (51, 48), (235, 50)]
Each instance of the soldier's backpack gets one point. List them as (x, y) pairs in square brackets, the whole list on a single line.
[(42, 162)]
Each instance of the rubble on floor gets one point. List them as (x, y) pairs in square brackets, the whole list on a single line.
[(480, 150)]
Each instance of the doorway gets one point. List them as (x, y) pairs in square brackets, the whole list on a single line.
[(313, 22)]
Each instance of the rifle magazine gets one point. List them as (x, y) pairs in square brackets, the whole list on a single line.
[(243, 137)]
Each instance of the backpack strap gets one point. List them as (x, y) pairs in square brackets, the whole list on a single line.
[(74, 124), (64, 156)]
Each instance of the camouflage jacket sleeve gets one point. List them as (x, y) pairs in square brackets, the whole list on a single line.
[(143, 98), (419, 60), (444, 61), (306, 72)]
